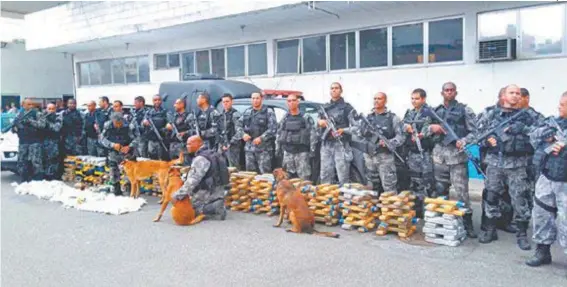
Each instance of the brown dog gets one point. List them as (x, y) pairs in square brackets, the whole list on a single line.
[(290, 199), (140, 170)]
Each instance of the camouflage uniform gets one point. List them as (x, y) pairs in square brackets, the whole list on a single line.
[(102, 116), (30, 159), (507, 164), (333, 155), (156, 150), (550, 208), (207, 195), (72, 132), (259, 123), (208, 120), (90, 134), (231, 135), (533, 173), (297, 137), (52, 125), (185, 125), (137, 118)]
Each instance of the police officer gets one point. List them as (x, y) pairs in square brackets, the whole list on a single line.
[(158, 115), (420, 163), (118, 107), (72, 129), (207, 118), (90, 133), (449, 163), (297, 137), (379, 161), (507, 162), (120, 140), (182, 122), (336, 155), (205, 181), (259, 126), (138, 114), (52, 123), (102, 116), (230, 132), (550, 208), (27, 127)]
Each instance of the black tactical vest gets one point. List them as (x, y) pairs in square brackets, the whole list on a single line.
[(455, 116), (89, 125), (119, 135), (102, 116), (28, 134), (555, 166), (426, 143), (217, 174), (385, 123), (203, 118), (159, 118), (338, 111), (227, 124), (518, 144), (138, 117), (295, 136), (181, 125), (72, 123), (255, 122), (48, 133)]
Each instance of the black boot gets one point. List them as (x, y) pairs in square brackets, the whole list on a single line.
[(467, 220), (522, 236), (117, 189), (489, 234), (542, 256), (509, 228)]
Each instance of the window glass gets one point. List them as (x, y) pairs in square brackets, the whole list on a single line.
[(314, 54), (497, 24), (161, 61), (203, 66), (235, 61), (173, 60), (374, 48), (217, 56), (118, 71), (542, 37), (188, 63), (342, 50), (95, 73), (131, 69), (84, 74), (446, 40), (407, 44), (287, 56), (257, 59), (106, 74), (144, 69)]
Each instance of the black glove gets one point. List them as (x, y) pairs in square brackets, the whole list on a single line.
[(516, 128)]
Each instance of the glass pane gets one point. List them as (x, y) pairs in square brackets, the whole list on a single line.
[(351, 51), (161, 61), (338, 51), (203, 66), (542, 37), (83, 74), (118, 71), (106, 76), (95, 73), (446, 40), (497, 24), (173, 60), (314, 54), (235, 60), (131, 69), (218, 62), (374, 48), (257, 59), (288, 54), (144, 69), (407, 44), (188, 63)]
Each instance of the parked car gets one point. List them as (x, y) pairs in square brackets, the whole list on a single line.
[(8, 145)]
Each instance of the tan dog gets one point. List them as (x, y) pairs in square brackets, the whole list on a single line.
[(291, 199), (140, 170)]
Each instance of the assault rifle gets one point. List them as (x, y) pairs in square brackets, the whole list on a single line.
[(172, 121), (560, 135), (16, 121), (415, 134), (379, 136), (154, 129), (332, 128)]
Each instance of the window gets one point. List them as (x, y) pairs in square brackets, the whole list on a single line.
[(374, 48), (217, 59), (173, 60), (188, 63), (83, 74), (542, 37), (131, 69), (235, 61), (288, 57), (144, 70), (314, 54), (343, 53), (497, 24), (95, 73), (407, 44), (117, 71), (161, 61), (106, 72), (446, 40), (257, 59), (203, 64)]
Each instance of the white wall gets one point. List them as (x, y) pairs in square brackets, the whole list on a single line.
[(478, 84)]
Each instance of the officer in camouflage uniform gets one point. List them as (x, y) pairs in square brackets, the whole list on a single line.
[(379, 161), (102, 116), (507, 161), (185, 128), (51, 124), (158, 115), (450, 165), (336, 157), (118, 107), (138, 114), (204, 183), (90, 134), (27, 127), (297, 137), (72, 129), (120, 140), (420, 163), (550, 208), (207, 118), (260, 127), (230, 132)]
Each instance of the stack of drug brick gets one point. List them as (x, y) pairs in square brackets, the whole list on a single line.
[(69, 166), (238, 197), (359, 207), (86, 169), (262, 194), (324, 201), (444, 222), (398, 214)]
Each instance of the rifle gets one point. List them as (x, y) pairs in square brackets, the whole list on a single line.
[(155, 130), (172, 120), (16, 121), (415, 134), (332, 128), (560, 135), (377, 133)]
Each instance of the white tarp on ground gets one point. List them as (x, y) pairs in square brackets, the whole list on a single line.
[(89, 200)]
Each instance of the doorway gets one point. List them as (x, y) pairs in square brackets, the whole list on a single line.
[(7, 101)]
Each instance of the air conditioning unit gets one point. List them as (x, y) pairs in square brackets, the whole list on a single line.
[(503, 49)]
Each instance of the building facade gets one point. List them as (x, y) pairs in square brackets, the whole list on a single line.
[(126, 49)]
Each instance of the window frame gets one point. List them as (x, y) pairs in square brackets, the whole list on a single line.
[(356, 52), (426, 38), (299, 55), (123, 59), (167, 66), (247, 75)]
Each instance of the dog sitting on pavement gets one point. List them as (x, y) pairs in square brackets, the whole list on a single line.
[(182, 211)]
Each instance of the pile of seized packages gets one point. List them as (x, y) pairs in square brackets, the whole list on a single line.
[(350, 205)]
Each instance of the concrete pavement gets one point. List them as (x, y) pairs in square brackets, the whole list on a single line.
[(44, 244)]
